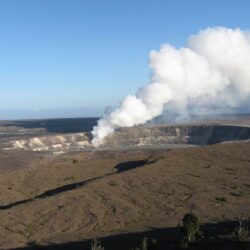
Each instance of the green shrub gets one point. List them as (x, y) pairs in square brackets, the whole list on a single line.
[(147, 244), (191, 229), (242, 231), (221, 199), (96, 245), (74, 161)]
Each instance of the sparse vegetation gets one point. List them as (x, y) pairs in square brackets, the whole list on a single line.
[(60, 206), (74, 161), (191, 237), (108, 202), (242, 231), (190, 230), (69, 178), (112, 183), (96, 245), (238, 194), (147, 244), (221, 199)]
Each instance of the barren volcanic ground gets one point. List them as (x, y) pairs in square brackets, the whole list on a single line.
[(104, 192), (63, 200)]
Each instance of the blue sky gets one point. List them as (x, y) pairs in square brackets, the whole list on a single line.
[(74, 57)]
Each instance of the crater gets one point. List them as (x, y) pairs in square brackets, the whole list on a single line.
[(176, 135), (167, 136)]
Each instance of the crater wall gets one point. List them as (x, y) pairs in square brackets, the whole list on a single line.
[(164, 135), (179, 134)]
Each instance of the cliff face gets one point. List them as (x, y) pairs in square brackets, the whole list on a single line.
[(51, 143), (181, 134), (136, 137), (202, 135)]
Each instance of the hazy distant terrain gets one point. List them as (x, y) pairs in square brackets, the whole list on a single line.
[(60, 125)]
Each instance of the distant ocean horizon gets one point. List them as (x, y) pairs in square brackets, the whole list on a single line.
[(18, 127)]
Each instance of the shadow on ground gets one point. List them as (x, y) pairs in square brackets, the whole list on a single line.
[(129, 165), (122, 167), (215, 236)]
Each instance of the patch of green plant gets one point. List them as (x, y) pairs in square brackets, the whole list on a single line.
[(113, 209), (147, 244), (29, 230), (221, 199), (242, 230), (69, 178), (190, 230), (112, 183), (101, 197), (74, 161), (238, 194), (96, 245)]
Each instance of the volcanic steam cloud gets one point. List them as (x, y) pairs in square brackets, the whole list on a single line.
[(212, 70)]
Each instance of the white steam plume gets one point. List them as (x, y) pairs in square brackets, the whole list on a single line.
[(213, 68)]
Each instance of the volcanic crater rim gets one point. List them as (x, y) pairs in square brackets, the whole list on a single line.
[(162, 135)]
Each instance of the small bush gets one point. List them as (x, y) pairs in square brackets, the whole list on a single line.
[(147, 244), (74, 161), (191, 229), (96, 245), (238, 194), (242, 231), (221, 199)]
